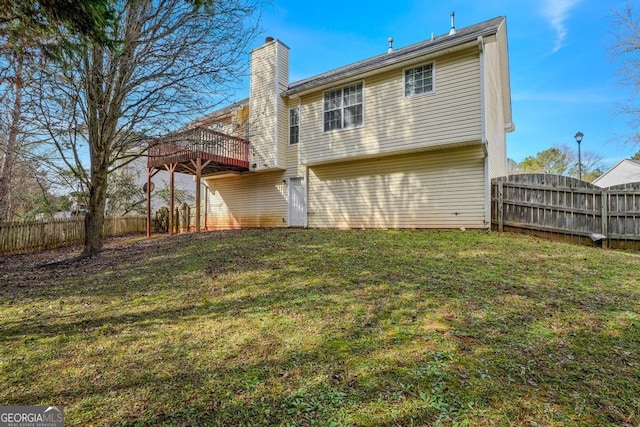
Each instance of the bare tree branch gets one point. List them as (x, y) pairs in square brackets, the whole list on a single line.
[(175, 62)]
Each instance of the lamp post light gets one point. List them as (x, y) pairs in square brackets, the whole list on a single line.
[(578, 138)]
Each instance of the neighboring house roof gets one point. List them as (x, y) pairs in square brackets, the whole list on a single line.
[(467, 34), (623, 172)]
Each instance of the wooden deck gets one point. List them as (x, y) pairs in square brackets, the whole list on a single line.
[(218, 152)]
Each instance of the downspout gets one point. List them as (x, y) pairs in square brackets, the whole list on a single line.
[(306, 196), (305, 179), (483, 118)]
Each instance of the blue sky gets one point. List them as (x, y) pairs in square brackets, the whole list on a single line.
[(563, 76)]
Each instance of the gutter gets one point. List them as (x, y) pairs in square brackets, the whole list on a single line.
[(275, 107)]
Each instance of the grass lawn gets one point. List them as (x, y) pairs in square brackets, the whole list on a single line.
[(325, 327)]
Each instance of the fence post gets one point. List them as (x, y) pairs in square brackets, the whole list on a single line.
[(604, 212), (500, 207), (44, 242)]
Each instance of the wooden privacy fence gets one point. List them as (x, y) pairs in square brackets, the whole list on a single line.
[(28, 236), (566, 208)]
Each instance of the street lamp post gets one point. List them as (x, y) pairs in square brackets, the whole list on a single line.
[(578, 138)]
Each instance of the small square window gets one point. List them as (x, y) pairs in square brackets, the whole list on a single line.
[(418, 80), (343, 108)]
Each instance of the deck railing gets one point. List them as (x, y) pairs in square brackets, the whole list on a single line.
[(204, 143)]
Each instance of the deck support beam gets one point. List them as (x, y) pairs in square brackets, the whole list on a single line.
[(198, 165), (171, 168)]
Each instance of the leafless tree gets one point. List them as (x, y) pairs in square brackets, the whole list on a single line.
[(12, 100), (176, 59), (17, 65), (626, 49)]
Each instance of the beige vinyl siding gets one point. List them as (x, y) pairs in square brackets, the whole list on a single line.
[(245, 201), (294, 169), (240, 122), (435, 189), (394, 123), (494, 110)]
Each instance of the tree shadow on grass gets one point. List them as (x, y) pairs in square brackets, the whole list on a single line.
[(368, 332)]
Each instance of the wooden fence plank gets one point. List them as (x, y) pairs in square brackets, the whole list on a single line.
[(27, 236)]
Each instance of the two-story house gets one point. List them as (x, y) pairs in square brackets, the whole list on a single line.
[(407, 139)]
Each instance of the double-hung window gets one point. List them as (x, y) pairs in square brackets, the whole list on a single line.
[(418, 80), (343, 107), (294, 125)]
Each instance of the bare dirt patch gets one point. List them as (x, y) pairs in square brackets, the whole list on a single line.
[(47, 267)]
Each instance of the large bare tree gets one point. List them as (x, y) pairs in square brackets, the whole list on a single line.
[(626, 49), (30, 32), (176, 59)]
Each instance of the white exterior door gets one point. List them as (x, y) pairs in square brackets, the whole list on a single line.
[(297, 203)]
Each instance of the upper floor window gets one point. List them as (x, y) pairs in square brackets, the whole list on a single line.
[(294, 125), (343, 107), (418, 80)]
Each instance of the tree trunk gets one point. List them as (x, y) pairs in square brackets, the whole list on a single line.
[(12, 141), (94, 219)]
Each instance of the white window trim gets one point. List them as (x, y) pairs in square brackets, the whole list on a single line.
[(289, 127), (363, 109), (433, 79)]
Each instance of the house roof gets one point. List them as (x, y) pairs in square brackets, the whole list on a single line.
[(614, 168), (417, 50), (439, 43)]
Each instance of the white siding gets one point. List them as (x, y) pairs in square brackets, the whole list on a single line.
[(437, 189), (252, 200), (623, 172), (183, 183), (395, 124)]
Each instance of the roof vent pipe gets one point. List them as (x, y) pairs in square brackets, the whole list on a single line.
[(390, 49), (452, 31)]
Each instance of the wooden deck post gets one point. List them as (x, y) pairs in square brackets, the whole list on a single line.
[(171, 168), (149, 171), (198, 195), (198, 166)]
